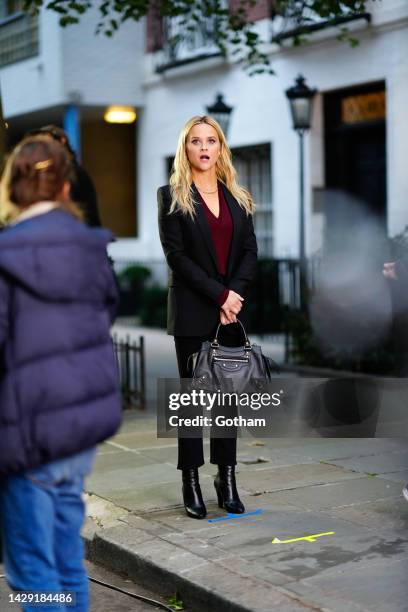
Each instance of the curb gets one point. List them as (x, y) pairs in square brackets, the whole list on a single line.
[(119, 559), (203, 583)]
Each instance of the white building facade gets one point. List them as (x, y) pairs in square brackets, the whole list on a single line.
[(359, 126), (68, 77), (358, 142)]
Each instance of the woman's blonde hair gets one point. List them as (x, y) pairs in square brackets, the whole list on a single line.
[(181, 177), (35, 170)]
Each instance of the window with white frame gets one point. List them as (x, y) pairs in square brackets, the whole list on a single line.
[(253, 164), (18, 33)]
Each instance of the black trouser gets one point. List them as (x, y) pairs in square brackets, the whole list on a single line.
[(223, 451)]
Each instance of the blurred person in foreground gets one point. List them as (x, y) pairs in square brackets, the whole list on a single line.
[(398, 271), (59, 390), (82, 190)]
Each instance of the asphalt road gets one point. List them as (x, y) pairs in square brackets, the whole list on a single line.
[(102, 598)]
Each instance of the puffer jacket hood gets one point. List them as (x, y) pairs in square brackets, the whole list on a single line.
[(55, 258)]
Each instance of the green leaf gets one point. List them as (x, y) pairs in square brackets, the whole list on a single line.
[(175, 602), (233, 23), (68, 20)]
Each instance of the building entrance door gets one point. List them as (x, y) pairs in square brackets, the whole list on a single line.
[(355, 154)]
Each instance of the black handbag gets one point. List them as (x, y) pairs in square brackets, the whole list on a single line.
[(239, 369)]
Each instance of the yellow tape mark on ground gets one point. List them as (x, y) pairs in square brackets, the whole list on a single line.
[(309, 538)]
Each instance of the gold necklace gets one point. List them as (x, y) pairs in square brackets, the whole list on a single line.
[(202, 190)]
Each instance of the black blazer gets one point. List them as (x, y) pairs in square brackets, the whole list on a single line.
[(194, 281)]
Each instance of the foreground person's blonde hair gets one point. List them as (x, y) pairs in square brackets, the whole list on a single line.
[(181, 176)]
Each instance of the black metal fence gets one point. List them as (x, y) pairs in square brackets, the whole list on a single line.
[(276, 296), (132, 371)]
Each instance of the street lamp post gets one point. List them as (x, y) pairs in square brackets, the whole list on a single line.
[(300, 98), (221, 112)]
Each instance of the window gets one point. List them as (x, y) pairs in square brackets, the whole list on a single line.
[(10, 7), (253, 165), (181, 46), (18, 33), (202, 40)]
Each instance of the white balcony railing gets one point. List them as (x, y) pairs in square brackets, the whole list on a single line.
[(181, 45), (298, 19)]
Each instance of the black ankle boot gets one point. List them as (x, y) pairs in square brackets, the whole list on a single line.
[(226, 489), (193, 500)]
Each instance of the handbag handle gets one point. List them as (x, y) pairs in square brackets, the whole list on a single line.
[(247, 347)]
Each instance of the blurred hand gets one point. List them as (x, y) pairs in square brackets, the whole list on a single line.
[(232, 306), (389, 271), (223, 318), (229, 316)]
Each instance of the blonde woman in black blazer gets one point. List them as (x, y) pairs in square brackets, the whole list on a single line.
[(207, 234)]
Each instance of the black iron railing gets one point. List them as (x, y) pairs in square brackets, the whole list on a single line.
[(132, 371)]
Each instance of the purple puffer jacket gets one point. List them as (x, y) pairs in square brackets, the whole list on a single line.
[(59, 388)]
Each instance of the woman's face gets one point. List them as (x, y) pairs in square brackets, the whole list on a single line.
[(203, 147)]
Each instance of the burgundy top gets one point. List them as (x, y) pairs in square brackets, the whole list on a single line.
[(221, 229)]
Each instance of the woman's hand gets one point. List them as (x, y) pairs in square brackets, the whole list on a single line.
[(389, 271), (233, 302), (232, 306), (223, 318)]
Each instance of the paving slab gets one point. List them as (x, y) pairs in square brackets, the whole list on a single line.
[(168, 453), (379, 463), (338, 494), (119, 459), (179, 521), (274, 456), (343, 552), (247, 455), (266, 479), (131, 477), (400, 476), (383, 515), (138, 440), (378, 587), (345, 448), (136, 421)]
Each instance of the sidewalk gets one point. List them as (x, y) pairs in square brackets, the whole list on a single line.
[(296, 487)]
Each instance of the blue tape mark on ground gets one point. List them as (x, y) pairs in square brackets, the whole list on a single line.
[(235, 516)]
